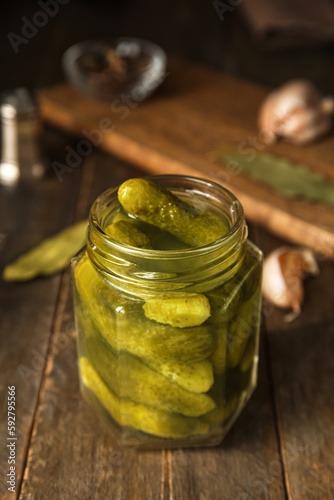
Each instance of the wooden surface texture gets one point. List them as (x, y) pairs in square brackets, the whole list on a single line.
[(196, 111), (280, 447)]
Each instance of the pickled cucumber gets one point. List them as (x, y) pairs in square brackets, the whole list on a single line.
[(240, 330), (129, 378), (156, 205), (152, 340), (159, 239), (249, 275), (195, 377), (134, 332), (98, 313), (219, 356), (226, 301), (160, 360), (223, 412), (181, 310), (128, 233), (237, 341), (249, 355), (144, 418)]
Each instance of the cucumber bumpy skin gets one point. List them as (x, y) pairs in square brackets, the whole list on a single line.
[(140, 336), (240, 330), (226, 301), (177, 354), (249, 355), (219, 356), (128, 233), (138, 416), (178, 310), (223, 412), (127, 377), (195, 377), (154, 204)]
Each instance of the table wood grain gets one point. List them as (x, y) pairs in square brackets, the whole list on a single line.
[(195, 112), (280, 447)]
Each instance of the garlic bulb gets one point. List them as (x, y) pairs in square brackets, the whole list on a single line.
[(296, 112), (283, 273)]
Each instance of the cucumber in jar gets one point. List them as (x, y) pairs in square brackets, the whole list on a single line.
[(156, 205), (178, 354), (140, 335), (144, 418), (128, 377)]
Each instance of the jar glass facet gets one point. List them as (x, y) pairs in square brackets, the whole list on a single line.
[(159, 384)]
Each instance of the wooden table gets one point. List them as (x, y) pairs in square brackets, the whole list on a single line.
[(282, 445)]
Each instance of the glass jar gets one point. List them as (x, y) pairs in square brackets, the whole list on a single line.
[(160, 384)]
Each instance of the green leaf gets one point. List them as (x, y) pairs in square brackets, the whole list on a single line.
[(50, 256), (291, 179)]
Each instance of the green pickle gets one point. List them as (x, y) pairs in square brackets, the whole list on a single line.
[(161, 347), (140, 336), (156, 205), (219, 355), (180, 310), (127, 376), (127, 232), (144, 418), (167, 346)]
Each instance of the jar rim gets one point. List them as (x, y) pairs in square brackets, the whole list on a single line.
[(235, 208)]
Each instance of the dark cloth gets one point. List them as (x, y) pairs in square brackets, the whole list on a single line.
[(280, 23)]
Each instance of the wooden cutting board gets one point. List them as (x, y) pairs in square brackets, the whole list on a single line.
[(195, 111)]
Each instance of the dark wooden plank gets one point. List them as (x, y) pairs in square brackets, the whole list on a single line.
[(72, 454), (301, 360), (303, 373), (247, 465), (68, 438), (28, 214), (198, 110), (303, 407)]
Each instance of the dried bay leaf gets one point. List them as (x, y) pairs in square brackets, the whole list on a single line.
[(50, 256), (289, 178)]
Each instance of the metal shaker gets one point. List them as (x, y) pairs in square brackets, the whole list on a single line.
[(20, 133)]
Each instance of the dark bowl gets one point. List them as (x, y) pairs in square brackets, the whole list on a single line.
[(108, 70)]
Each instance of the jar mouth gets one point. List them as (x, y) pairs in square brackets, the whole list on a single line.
[(233, 209), (195, 268)]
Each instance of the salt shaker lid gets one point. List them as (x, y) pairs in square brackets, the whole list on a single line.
[(18, 102)]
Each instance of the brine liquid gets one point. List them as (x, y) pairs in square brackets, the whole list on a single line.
[(159, 385)]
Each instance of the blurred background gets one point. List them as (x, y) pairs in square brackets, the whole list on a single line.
[(266, 42), (263, 41)]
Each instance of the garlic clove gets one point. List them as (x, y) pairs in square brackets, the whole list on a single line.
[(327, 105), (295, 112), (303, 126), (283, 272)]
